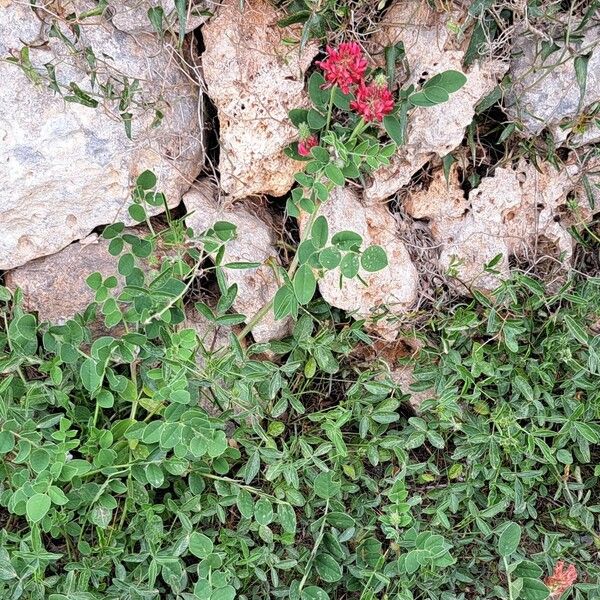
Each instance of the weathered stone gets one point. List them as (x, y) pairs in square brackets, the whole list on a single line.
[(545, 91), (403, 376), (55, 287), (66, 167), (394, 287), (253, 243), (131, 16), (437, 130), (254, 79), (509, 214)]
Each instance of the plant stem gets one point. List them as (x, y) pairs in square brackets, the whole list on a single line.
[(358, 129), (330, 107), (508, 579), (313, 553), (292, 269)]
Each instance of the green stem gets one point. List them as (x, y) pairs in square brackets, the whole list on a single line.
[(508, 579), (315, 549), (330, 107), (358, 129), (293, 266)]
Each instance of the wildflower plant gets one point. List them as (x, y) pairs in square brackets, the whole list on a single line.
[(355, 125)]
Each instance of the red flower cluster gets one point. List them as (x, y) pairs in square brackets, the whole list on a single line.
[(305, 145), (344, 66), (373, 101), (561, 579)]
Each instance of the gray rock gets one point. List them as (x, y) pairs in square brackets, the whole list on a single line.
[(254, 243), (254, 79), (66, 168), (54, 286), (131, 16), (394, 288), (512, 213), (433, 131), (545, 91)]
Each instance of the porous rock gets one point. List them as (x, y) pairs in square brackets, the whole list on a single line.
[(254, 79), (508, 214), (131, 16), (254, 242), (545, 91), (437, 130), (67, 168), (395, 287), (55, 286)]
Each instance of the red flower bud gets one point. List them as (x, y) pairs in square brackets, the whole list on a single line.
[(306, 144)]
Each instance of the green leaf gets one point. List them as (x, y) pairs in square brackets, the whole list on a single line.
[(450, 81), (319, 232), (325, 485), (154, 475), (317, 95), (330, 258), (374, 259), (314, 592), (146, 181), (155, 16), (328, 568), (225, 593), (287, 517), (7, 441), (577, 330), (245, 504), (224, 230), (420, 99), (533, 589), (305, 284), (335, 174), (350, 265), (315, 119), (200, 545), (89, 375), (437, 95), (263, 512), (37, 506), (39, 460), (137, 212), (347, 240), (509, 539), (298, 116), (394, 129), (94, 280)]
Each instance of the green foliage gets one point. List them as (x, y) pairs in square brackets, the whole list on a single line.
[(306, 480)]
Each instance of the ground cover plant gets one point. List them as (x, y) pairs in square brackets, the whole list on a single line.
[(139, 460)]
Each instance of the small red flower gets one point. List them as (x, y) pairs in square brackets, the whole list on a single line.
[(305, 145), (373, 101), (561, 579), (344, 66)]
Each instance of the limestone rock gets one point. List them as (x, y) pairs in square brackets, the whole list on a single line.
[(54, 286), (254, 79), (394, 287), (66, 167), (437, 130), (131, 16), (508, 214), (545, 89), (254, 243), (404, 377)]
